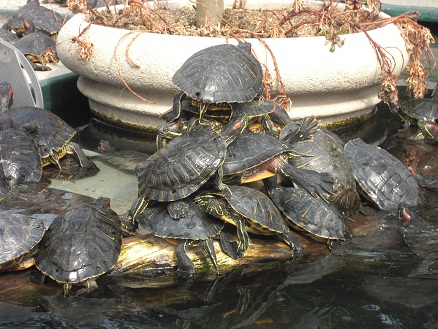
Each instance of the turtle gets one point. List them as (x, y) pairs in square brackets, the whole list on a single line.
[(188, 224), (320, 220), (252, 157), (382, 177), (221, 74), (82, 243), (52, 135), (420, 235), (185, 163), (45, 20), (423, 112), (8, 36), (19, 159), (325, 153), (19, 238), (38, 48), (250, 211)]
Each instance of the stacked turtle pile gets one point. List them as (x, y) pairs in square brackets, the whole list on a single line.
[(30, 139), (224, 136), (229, 166), (33, 29)]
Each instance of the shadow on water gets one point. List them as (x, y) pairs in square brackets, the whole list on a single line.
[(365, 284)]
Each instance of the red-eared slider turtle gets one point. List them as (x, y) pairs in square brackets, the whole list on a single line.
[(253, 157), (423, 112), (38, 48), (319, 220), (221, 74), (44, 19), (324, 153), (19, 159), (250, 211), (421, 236), (186, 222), (19, 237), (382, 177), (82, 243), (52, 135), (8, 36), (185, 163)]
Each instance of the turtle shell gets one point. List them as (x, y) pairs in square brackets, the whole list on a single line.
[(310, 214), (83, 242), (250, 149), (256, 108), (323, 153), (19, 158), (221, 74), (34, 44), (20, 235), (421, 109), (8, 36), (183, 165), (382, 177), (49, 131), (195, 224), (44, 19), (261, 212)]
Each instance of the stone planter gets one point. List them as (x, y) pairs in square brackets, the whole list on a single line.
[(334, 86)]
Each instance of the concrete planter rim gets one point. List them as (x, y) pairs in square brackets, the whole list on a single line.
[(153, 76)]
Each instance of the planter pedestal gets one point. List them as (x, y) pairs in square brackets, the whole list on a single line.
[(337, 87)]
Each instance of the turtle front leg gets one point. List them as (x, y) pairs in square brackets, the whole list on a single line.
[(207, 246), (317, 184), (294, 244), (242, 234), (186, 268)]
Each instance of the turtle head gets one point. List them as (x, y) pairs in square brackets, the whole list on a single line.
[(405, 215), (6, 96), (396, 107), (234, 127), (28, 26), (212, 204)]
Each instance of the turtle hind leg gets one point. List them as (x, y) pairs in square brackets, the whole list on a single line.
[(74, 148), (90, 285), (186, 268), (229, 247)]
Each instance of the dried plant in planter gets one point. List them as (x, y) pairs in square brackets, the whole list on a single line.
[(299, 20)]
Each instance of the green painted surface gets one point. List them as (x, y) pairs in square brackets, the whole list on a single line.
[(62, 97), (426, 14)]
